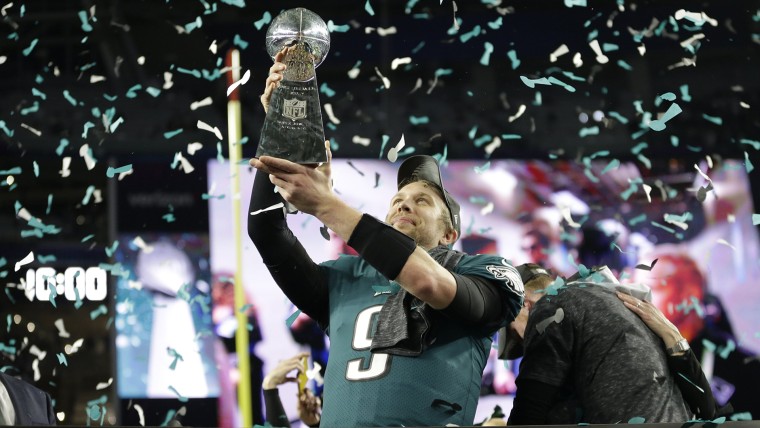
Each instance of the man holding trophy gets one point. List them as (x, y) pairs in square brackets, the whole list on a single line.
[(413, 355)]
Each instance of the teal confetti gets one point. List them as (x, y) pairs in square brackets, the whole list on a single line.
[(5, 129), (512, 55), (531, 83), (419, 47), (659, 124), (194, 73), (483, 168), (755, 144), (755, 219), (668, 96), (572, 76), (725, 350), (511, 137), (744, 416), (86, 27), (571, 3), (30, 48), (638, 219), (714, 119), (386, 138), (180, 397), (49, 204), (132, 92), (87, 238), (609, 47), (190, 26), (473, 132), (110, 98), (111, 172), (368, 8), (46, 259), (87, 127), (495, 25), (323, 88), (674, 140), (486, 58), (482, 140), (624, 65), (337, 28), (639, 147), (747, 163), (155, 92), (237, 3), (464, 38), (16, 170), (170, 134), (169, 217), (414, 120), (239, 42), (614, 164), (101, 310), (110, 250), (592, 130), (443, 72), (553, 80), (35, 107), (265, 19), (292, 318), (37, 93), (62, 359), (69, 98), (685, 93), (636, 420), (662, 226)]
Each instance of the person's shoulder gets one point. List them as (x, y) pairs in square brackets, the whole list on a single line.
[(19, 385)]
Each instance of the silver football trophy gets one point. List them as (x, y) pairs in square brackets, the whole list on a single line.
[(293, 125)]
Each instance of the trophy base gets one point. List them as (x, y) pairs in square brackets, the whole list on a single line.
[(293, 126)]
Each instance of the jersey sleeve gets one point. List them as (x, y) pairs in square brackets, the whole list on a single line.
[(548, 342), (497, 271)]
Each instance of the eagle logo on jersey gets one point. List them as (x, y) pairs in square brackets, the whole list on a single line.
[(508, 274)]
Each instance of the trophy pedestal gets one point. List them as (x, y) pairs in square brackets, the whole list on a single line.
[(293, 126)]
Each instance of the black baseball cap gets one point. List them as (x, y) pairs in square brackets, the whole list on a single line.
[(424, 167), (510, 345)]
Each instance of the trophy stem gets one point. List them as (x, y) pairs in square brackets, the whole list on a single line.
[(293, 126)]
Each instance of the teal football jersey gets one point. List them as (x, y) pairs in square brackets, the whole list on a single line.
[(439, 387)]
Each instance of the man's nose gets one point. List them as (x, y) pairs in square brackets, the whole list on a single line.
[(404, 206)]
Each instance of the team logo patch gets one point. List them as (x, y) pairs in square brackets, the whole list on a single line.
[(507, 274), (294, 109)]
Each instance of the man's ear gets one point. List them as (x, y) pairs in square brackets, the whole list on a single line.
[(449, 238)]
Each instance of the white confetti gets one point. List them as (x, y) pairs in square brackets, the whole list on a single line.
[(243, 80), (84, 152), (167, 80), (361, 141), (3, 58), (140, 243), (488, 209), (386, 81), (32, 130), (386, 31), (36, 369), (558, 53), (330, 114), (698, 18), (204, 102), (96, 78), (648, 191), (400, 61), (141, 60), (104, 385), (577, 61), (493, 145), (393, 152), (7, 6), (37, 352), (185, 165), (206, 127), (642, 50), (600, 57), (566, 215), (61, 329), (26, 260), (724, 242), (140, 414), (273, 207), (520, 111), (212, 48), (192, 148)]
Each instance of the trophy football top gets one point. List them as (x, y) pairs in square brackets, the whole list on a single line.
[(299, 27)]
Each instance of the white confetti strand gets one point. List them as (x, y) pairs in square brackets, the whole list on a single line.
[(204, 102), (206, 127), (243, 80), (400, 61), (26, 260), (558, 53), (330, 114)]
